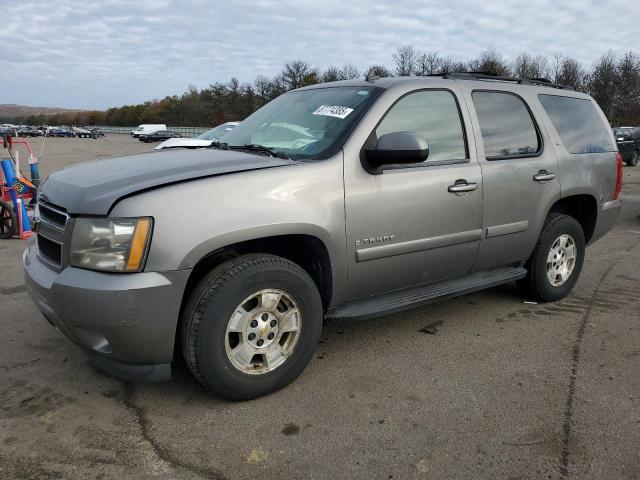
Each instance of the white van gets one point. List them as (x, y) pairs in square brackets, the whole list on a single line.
[(147, 128)]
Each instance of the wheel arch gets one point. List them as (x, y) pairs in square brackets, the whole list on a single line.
[(582, 207), (308, 251)]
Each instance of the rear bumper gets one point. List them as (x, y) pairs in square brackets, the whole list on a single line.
[(126, 321), (607, 218)]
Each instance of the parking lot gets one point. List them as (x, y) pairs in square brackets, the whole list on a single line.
[(480, 386)]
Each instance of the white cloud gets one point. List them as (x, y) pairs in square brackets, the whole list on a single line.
[(115, 52)]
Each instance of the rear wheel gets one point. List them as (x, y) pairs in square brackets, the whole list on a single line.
[(251, 326), (8, 220), (556, 262)]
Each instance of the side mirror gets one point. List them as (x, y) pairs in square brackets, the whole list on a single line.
[(398, 148)]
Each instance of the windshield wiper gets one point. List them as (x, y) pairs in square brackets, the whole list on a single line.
[(252, 147)]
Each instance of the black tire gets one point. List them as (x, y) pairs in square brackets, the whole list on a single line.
[(213, 301), (536, 284), (8, 220), (633, 161)]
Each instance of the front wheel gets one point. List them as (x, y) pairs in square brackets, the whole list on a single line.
[(633, 161), (251, 326), (556, 262)]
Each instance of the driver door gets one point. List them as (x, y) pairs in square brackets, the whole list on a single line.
[(405, 226)]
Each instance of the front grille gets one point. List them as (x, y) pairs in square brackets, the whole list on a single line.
[(49, 250), (52, 216), (54, 227)]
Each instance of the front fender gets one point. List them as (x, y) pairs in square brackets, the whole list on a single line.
[(195, 218)]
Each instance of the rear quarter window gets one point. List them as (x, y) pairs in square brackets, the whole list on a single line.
[(578, 123)]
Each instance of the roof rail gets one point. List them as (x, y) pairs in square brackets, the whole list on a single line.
[(498, 78)]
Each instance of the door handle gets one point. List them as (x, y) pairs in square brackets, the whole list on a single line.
[(544, 176), (462, 186)]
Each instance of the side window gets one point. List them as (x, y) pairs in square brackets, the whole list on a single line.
[(507, 128), (433, 114), (578, 123)]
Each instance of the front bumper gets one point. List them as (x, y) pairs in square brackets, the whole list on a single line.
[(126, 321)]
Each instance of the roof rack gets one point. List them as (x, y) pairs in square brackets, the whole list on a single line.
[(487, 76)]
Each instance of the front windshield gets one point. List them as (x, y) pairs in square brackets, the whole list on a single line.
[(216, 133), (306, 124)]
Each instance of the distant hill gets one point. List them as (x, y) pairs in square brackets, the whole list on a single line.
[(13, 111)]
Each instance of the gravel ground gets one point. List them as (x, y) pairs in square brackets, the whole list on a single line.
[(502, 389)]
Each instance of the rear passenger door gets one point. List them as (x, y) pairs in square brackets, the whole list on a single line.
[(519, 172)]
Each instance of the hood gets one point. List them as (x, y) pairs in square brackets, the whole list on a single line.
[(183, 142), (92, 188)]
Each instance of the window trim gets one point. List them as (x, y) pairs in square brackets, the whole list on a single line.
[(426, 163), (533, 119)]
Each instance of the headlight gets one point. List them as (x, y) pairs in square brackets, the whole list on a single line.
[(110, 244)]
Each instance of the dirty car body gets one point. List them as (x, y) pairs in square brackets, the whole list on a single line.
[(375, 237)]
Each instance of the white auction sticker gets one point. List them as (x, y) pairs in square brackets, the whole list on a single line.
[(333, 111)]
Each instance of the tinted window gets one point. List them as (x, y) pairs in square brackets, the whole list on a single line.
[(578, 123), (434, 115), (506, 125)]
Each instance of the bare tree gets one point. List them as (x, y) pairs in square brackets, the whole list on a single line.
[(601, 83), (567, 71), (451, 65), (333, 73), (350, 72), (527, 66), (377, 71), (627, 83), (427, 64), (491, 63), (262, 86), (299, 73), (405, 59)]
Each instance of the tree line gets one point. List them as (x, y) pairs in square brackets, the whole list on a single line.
[(613, 81)]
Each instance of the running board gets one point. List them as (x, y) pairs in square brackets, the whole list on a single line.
[(392, 302)]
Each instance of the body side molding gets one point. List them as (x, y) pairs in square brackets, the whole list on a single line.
[(507, 229), (400, 248)]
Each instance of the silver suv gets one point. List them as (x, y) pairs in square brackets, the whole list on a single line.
[(345, 200)]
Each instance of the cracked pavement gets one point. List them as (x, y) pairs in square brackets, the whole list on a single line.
[(501, 389)]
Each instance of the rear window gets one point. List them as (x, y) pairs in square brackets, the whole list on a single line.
[(578, 123), (507, 128)]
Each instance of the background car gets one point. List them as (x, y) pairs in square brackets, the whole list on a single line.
[(8, 131), (628, 141), (61, 132), (81, 132), (203, 140), (96, 133), (157, 136), (28, 131)]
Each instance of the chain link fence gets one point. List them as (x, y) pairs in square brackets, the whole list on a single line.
[(184, 131)]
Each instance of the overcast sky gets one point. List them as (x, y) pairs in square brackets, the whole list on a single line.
[(109, 53)]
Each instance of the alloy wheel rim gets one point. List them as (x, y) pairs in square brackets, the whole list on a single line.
[(561, 260), (263, 331)]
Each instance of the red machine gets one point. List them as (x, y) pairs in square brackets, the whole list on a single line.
[(16, 192)]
